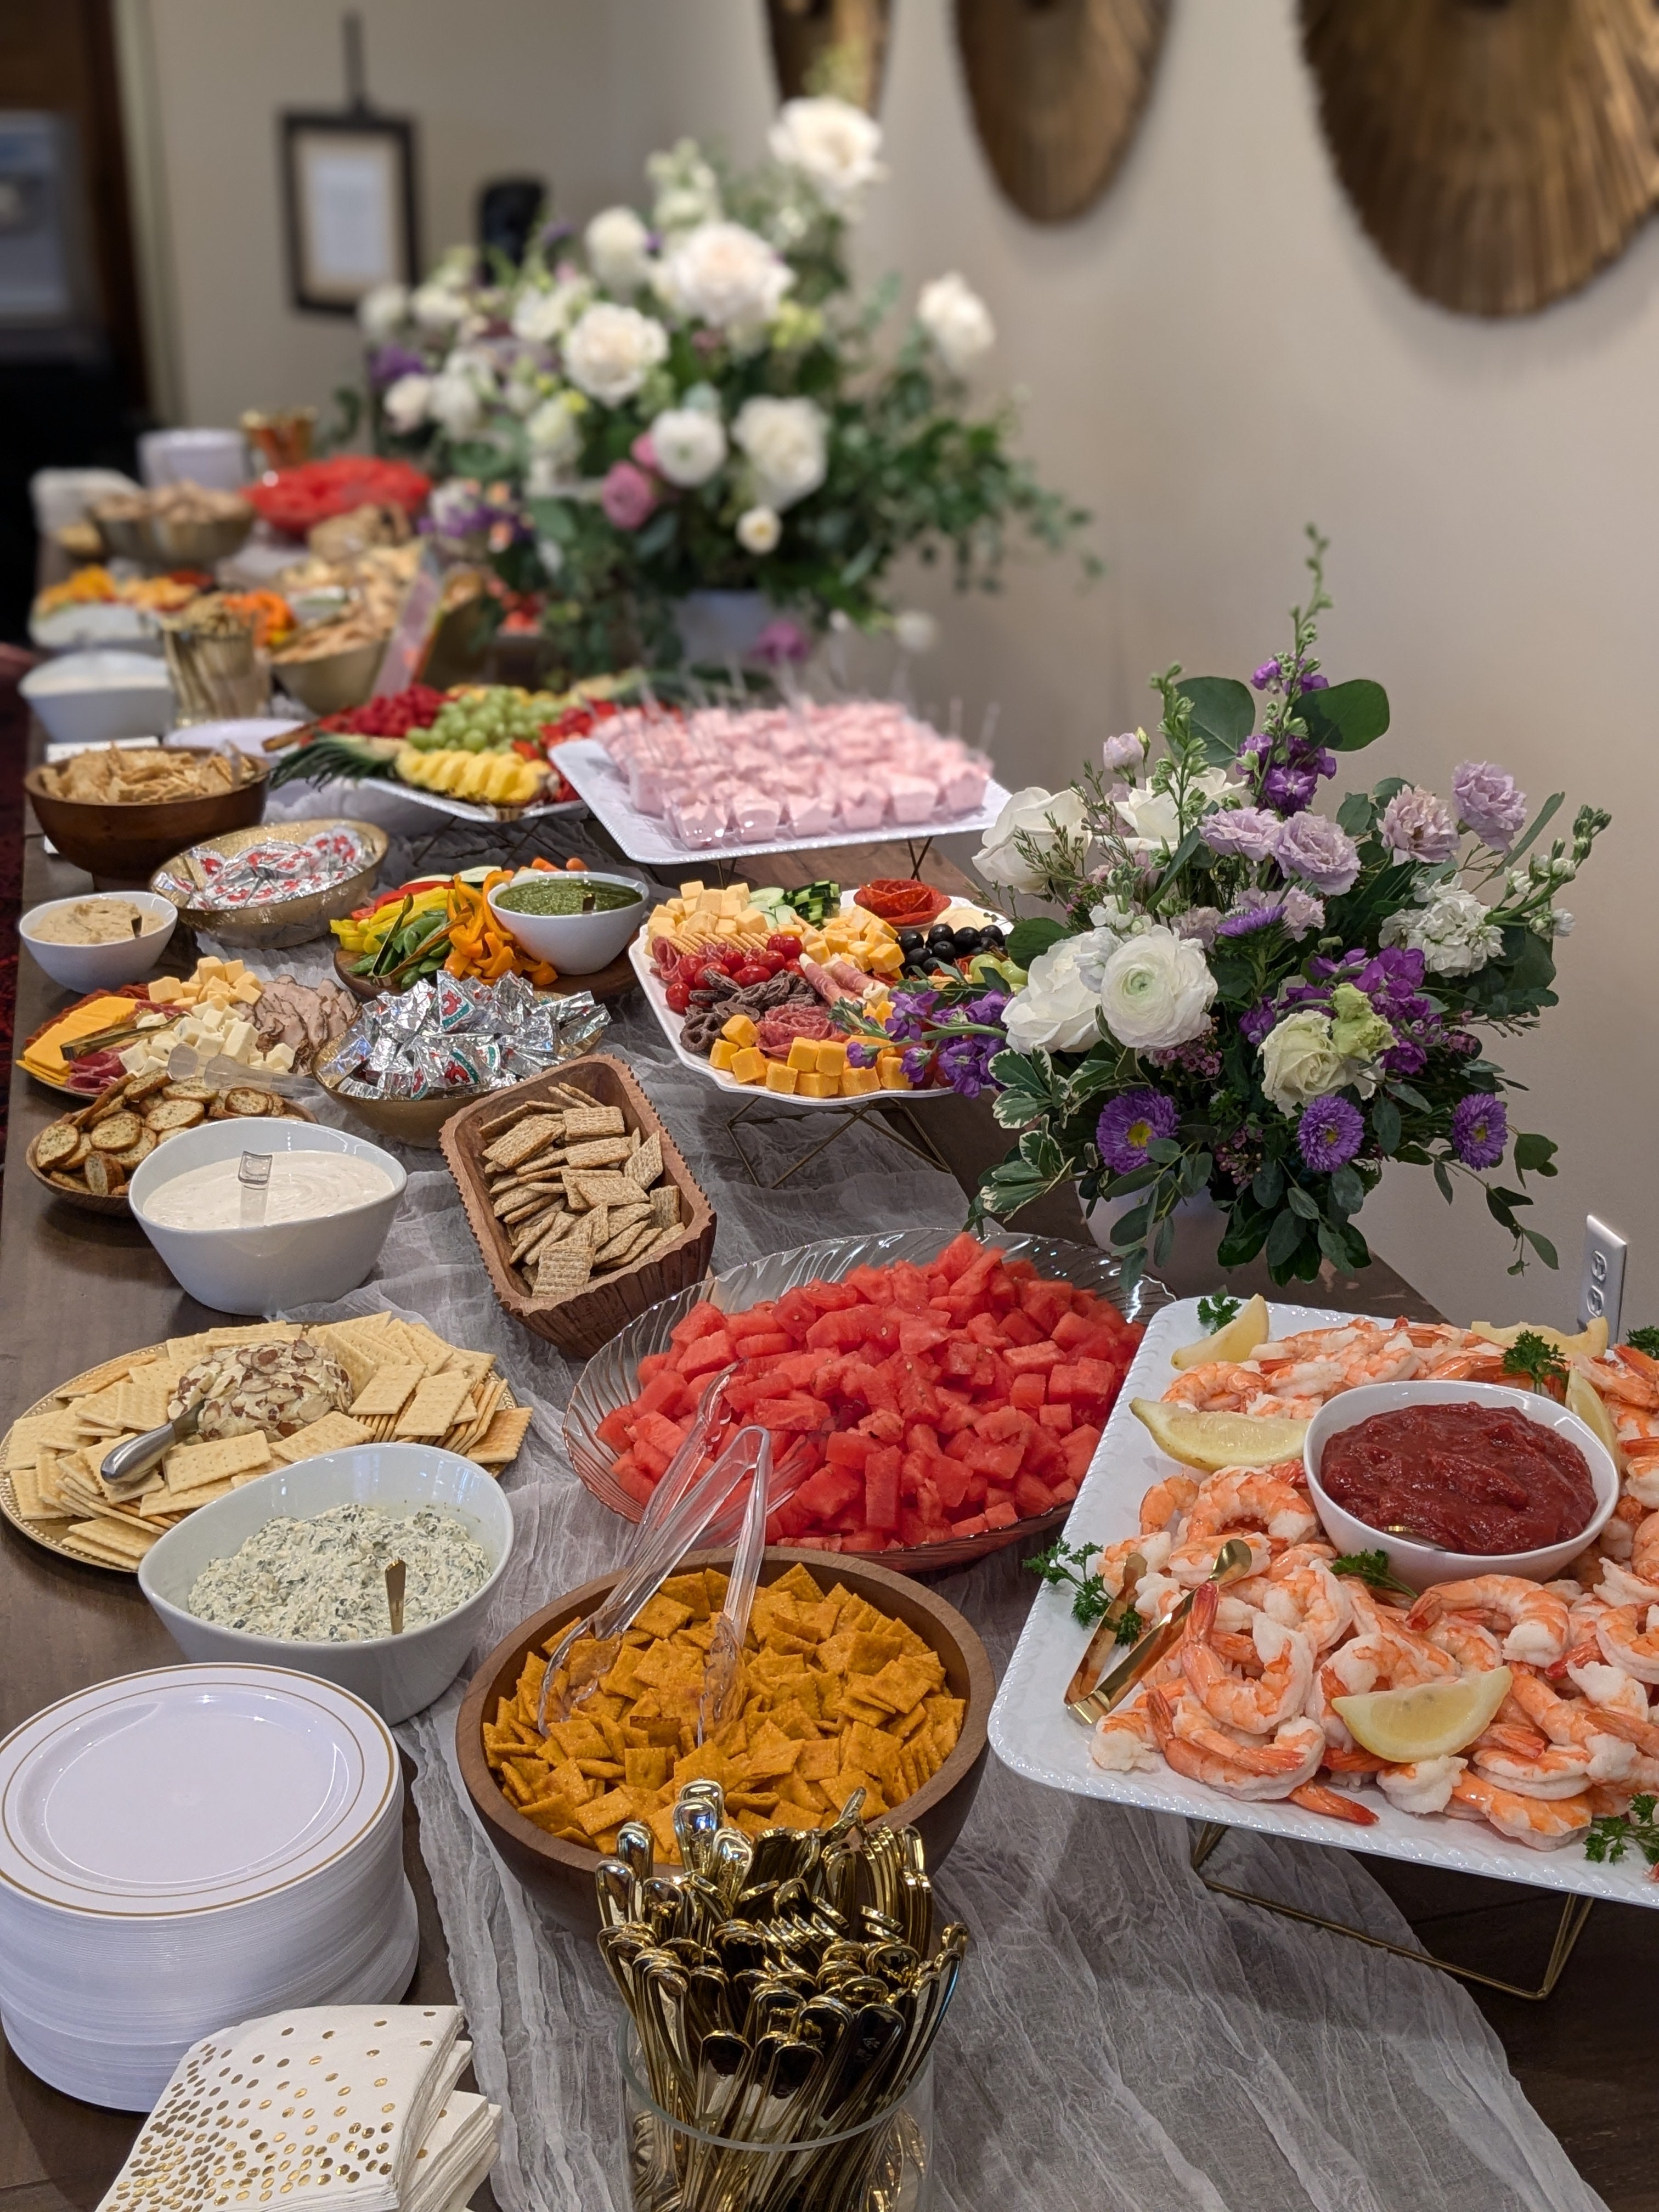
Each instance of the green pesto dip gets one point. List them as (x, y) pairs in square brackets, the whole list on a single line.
[(562, 894)]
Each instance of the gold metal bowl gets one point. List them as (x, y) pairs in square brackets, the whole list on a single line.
[(331, 681), (286, 921)]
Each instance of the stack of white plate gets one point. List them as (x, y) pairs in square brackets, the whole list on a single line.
[(187, 1848)]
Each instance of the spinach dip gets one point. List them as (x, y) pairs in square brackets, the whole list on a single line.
[(323, 1581)]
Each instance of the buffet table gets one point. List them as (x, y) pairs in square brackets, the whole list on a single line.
[(1122, 2037)]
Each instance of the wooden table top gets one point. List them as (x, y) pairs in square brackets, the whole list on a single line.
[(76, 1289)]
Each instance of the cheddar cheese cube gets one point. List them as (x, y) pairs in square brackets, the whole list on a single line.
[(804, 1057), (831, 1057), (782, 1078), (749, 1066), (740, 1029), (722, 1054), (818, 1087), (859, 1082), (890, 1073)]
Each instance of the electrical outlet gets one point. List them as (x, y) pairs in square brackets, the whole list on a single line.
[(1602, 1285)]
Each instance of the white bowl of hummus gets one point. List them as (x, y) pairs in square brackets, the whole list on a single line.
[(310, 1231), (289, 1571), (100, 940)]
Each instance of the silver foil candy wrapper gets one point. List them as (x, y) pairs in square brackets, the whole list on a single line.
[(451, 1034)]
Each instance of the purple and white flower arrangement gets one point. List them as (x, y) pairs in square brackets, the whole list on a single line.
[(1230, 991), (694, 399)]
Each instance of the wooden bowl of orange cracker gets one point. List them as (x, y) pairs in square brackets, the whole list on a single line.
[(826, 1631)]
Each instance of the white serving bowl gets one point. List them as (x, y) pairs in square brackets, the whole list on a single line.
[(88, 698), (396, 1674), (266, 1269), (576, 944), (217, 459), (1423, 1564), (102, 967)]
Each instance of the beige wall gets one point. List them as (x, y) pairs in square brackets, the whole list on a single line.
[(1212, 357)]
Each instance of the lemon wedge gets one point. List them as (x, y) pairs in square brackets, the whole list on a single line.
[(1583, 1400), (1236, 1341), (1592, 1339), (1212, 1441), (1426, 1720)]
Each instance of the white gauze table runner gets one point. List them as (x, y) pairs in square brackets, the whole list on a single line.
[(1121, 2041)]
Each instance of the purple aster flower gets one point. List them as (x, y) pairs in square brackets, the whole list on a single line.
[(1302, 913), (1490, 802), (1480, 1130), (1248, 920), (1244, 833), (1290, 789), (1415, 826), (1267, 674), (1128, 1125), (1329, 1133), (1316, 850)]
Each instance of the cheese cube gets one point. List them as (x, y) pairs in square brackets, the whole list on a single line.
[(818, 1087), (890, 1073), (280, 1059), (859, 1082), (740, 1029), (723, 1053), (782, 1078), (885, 960), (831, 1057), (239, 1039), (749, 1066), (165, 991), (804, 1057), (691, 892), (233, 971), (210, 964)]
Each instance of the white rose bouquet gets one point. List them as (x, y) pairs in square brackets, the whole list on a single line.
[(693, 399), (1242, 995)]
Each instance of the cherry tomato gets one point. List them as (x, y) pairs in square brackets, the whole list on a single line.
[(783, 943), (750, 972), (678, 995), (772, 961)]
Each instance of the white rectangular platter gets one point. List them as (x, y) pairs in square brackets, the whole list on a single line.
[(1032, 1732), (587, 767)]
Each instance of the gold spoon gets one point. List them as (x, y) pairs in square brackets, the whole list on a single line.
[(1232, 1562)]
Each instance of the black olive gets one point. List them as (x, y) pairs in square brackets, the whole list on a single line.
[(993, 938), (910, 940), (965, 942), (940, 936)]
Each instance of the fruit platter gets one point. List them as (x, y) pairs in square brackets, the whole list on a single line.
[(790, 993), (1495, 1724), (478, 752), (931, 1398)]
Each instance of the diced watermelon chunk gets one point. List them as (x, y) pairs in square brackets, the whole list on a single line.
[(1033, 1358), (961, 1254), (1028, 1393), (1079, 1449), (881, 1487), (1001, 1517), (848, 1448), (653, 1365), (705, 1319), (1032, 1497), (757, 1342), (829, 1491), (617, 1428), (627, 1471), (1057, 1418)]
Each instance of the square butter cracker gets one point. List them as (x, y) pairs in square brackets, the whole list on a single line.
[(432, 1408), (334, 1432), (388, 1390), (189, 1466)]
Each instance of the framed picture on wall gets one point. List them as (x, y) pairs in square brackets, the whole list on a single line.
[(349, 198)]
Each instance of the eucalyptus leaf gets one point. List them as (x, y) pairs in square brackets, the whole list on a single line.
[(1131, 1228), (1282, 1239), (1347, 717), (1032, 936), (1534, 1155), (1546, 814), (1268, 1184), (1542, 1246), (1444, 1180), (1347, 1191), (1385, 1126), (1223, 712), (1301, 1201)]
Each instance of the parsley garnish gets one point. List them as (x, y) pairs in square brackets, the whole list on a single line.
[(1371, 1568), (1607, 1836), (1644, 1340), (1216, 1312), (1130, 1627), (1536, 1358), (1063, 1563)]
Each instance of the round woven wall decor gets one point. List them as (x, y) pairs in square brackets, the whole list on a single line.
[(1499, 152), (829, 45), (1057, 87)]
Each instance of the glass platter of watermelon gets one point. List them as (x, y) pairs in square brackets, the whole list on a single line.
[(954, 1389)]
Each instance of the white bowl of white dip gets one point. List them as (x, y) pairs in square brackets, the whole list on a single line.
[(317, 1233), (326, 1588)]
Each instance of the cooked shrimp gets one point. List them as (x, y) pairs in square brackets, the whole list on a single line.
[(1154, 1551), (1165, 1501), (1225, 1774), (1611, 1379), (1479, 1364), (1351, 1761), (1475, 1649), (1251, 1498), (1535, 1617), (1258, 1706), (1617, 1538), (1640, 1362), (1123, 1741), (1629, 1641), (1606, 1752), (1191, 1564), (1309, 1597), (1425, 1786), (1543, 1823), (1255, 1754), (1556, 1772), (1609, 1689), (1644, 1550), (1220, 1386), (1314, 1797), (1620, 1589)]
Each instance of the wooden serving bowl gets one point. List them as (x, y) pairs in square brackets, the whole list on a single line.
[(581, 1324), (122, 846), (561, 1874)]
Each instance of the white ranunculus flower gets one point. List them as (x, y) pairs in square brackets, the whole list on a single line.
[(383, 310), (618, 249), (1150, 820), (759, 529), (455, 402), (438, 307), (1059, 1008), (407, 403), (833, 144), (915, 631), (552, 430), (541, 315), (690, 445), (787, 443), (725, 275), (1041, 814), (612, 350), (1157, 991), (957, 321)]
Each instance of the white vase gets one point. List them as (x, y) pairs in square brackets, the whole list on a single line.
[(1199, 1225), (720, 626)]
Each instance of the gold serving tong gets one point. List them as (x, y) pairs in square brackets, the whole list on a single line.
[(1232, 1563)]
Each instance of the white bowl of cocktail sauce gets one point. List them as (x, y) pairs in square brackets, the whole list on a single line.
[(1421, 1564), (315, 1235)]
